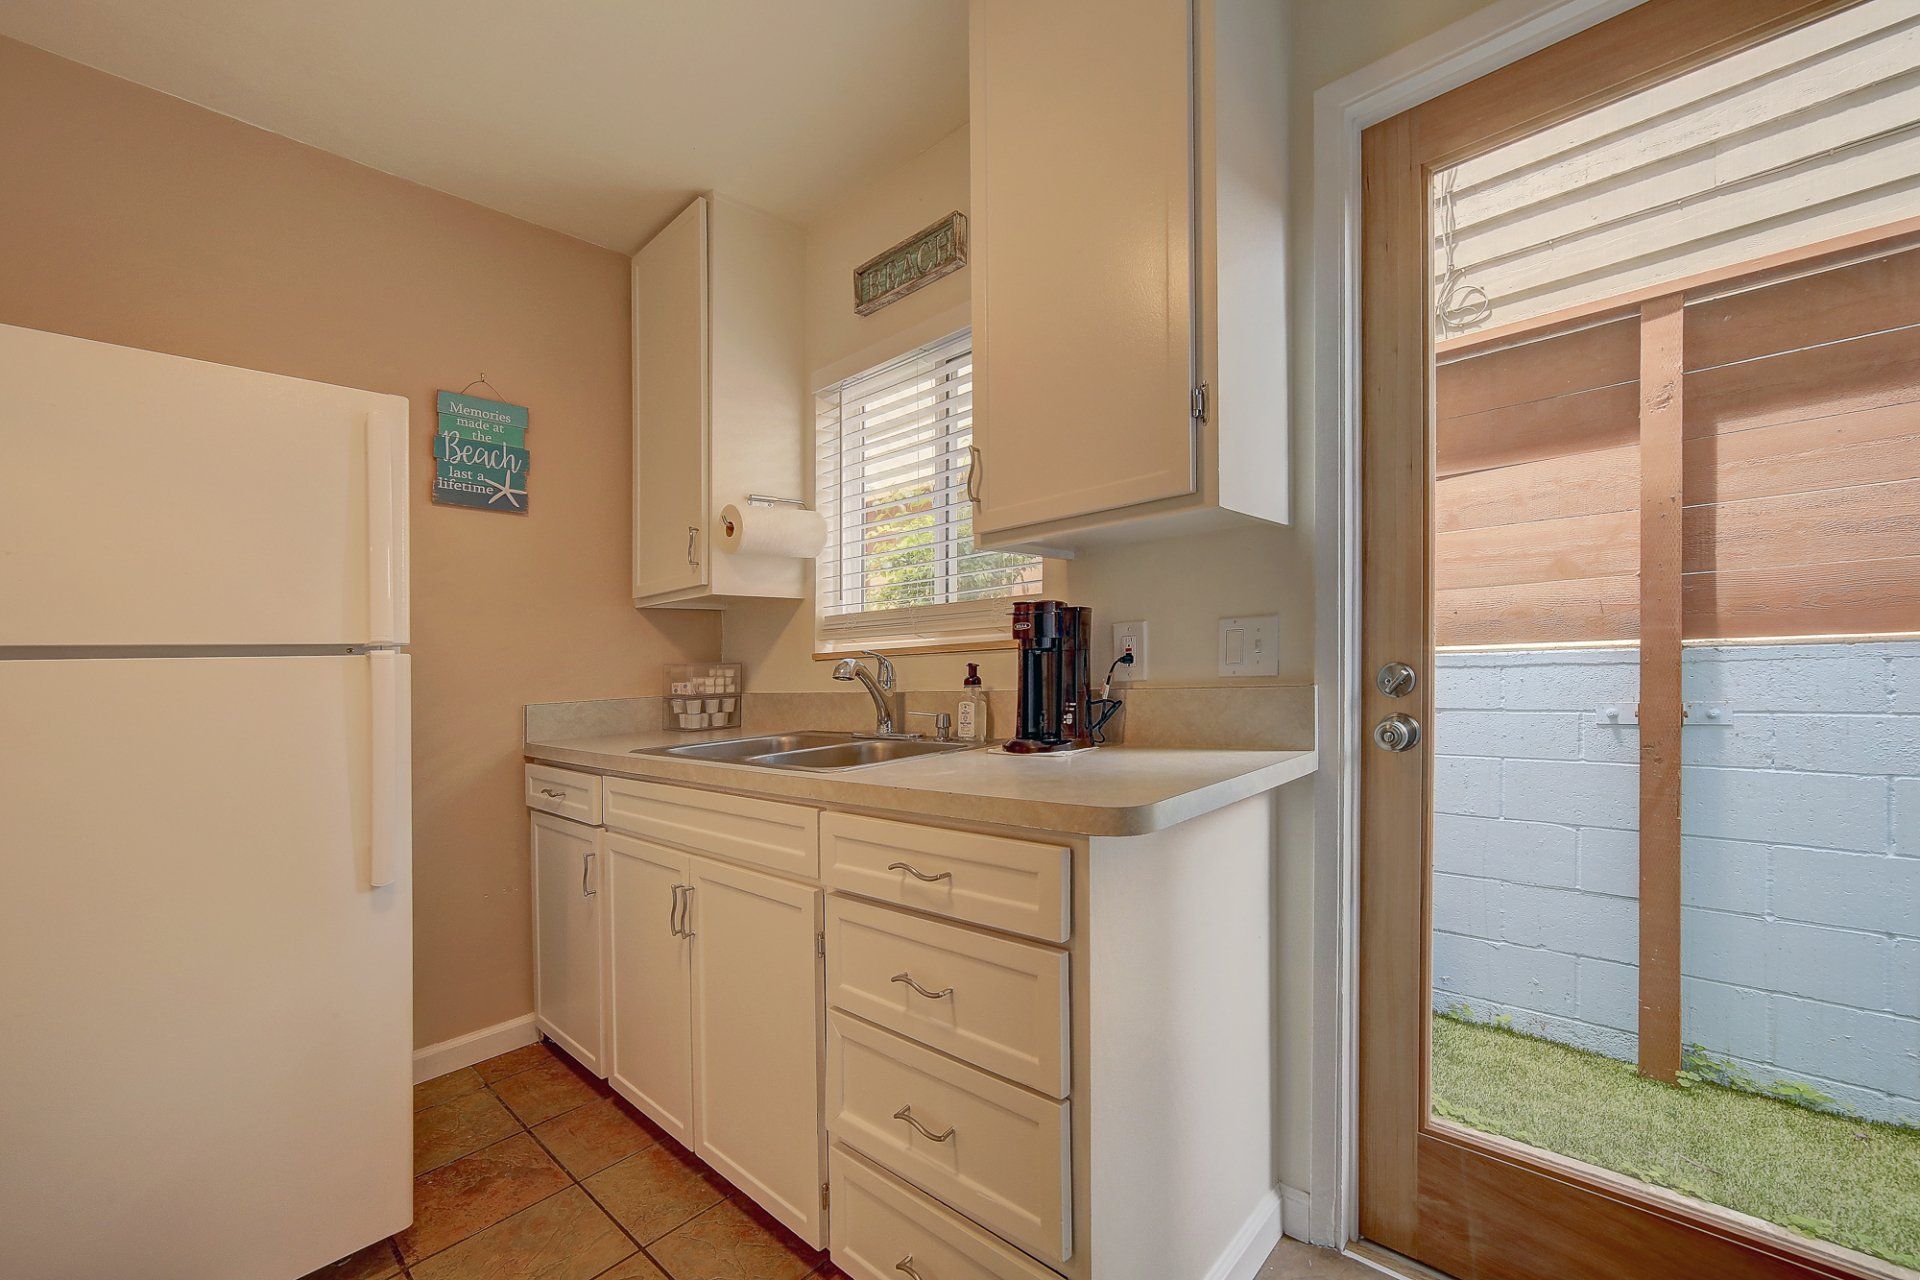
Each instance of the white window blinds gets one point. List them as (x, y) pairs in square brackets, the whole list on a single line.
[(894, 446)]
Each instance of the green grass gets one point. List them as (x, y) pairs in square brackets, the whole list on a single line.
[(1850, 1181)]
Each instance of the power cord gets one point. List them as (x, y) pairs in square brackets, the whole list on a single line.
[(1106, 706)]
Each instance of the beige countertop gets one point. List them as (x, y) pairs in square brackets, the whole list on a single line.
[(1108, 791)]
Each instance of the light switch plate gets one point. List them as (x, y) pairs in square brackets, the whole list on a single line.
[(1130, 635), (1248, 646)]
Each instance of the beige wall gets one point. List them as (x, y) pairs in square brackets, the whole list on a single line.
[(135, 218)]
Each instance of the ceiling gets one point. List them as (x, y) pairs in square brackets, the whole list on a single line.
[(599, 118)]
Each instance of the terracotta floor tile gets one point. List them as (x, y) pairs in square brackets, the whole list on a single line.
[(475, 1192), (430, 1093), (547, 1090), (588, 1139), (375, 1262), (655, 1190), (733, 1241), (564, 1237), (455, 1128), (531, 1055), (638, 1267)]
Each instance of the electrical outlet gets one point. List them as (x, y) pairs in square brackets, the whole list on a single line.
[(1130, 637), (1248, 647)]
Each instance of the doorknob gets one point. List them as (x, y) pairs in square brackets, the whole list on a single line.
[(1396, 680), (1397, 733)]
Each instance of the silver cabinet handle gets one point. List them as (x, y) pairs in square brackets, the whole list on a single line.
[(673, 911), (973, 473), (918, 874), (906, 1268), (693, 531), (906, 1113), (586, 873), (686, 911), (553, 795), (907, 978)]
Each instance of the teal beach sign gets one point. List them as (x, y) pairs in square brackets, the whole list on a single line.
[(480, 454)]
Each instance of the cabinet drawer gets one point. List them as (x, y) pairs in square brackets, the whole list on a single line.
[(765, 833), (564, 792), (992, 1150), (994, 1002), (1015, 885), (879, 1221)]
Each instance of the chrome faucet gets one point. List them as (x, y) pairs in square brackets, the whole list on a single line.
[(879, 690)]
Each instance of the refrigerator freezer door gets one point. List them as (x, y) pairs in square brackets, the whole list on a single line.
[(149, 500), (210, 1005)]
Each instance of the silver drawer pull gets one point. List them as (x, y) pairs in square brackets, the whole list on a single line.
[(907, 978), (906, 1113), (905, 1267), (553, 795), (918, 874)]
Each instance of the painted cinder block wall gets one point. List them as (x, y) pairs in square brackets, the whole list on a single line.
[(1800, 858)]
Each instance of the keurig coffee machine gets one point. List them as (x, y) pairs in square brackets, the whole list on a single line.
[(1054, 699)]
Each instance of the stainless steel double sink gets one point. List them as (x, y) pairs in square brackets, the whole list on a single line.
[(810, 750)]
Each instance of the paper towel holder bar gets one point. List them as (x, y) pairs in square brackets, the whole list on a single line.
[(768, 500)]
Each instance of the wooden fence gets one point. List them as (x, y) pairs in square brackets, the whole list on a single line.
[(1799, 466)]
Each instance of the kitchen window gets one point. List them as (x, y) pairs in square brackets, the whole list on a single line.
[(900, 568)]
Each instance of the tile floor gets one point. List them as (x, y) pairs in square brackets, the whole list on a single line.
[(527, 1168)]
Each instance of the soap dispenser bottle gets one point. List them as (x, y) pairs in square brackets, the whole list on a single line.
[(971, 722)]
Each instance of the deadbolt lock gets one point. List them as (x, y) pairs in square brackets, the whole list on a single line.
[(1396, 680)]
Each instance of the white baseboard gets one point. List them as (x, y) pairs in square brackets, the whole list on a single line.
[(475, 1046), (1247, 1252), (1296, 1210)]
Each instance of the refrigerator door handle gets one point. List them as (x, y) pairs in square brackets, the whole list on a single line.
[(387, 612), (390, 801)]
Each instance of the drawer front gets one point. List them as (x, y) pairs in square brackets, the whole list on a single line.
[(564, 792), (1016, 885), (994, 1002), (995, 1152), (765, 833), (880, 1222)]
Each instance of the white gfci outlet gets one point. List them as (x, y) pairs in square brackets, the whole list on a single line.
[(1248, 646), (1130, 636)]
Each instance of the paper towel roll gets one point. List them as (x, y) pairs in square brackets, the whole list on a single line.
[(772, 531)]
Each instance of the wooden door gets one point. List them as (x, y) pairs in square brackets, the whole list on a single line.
[(649, 975), (1082, 258), (1469, 1203), (670, 407), (567, 936), (758, 1038)]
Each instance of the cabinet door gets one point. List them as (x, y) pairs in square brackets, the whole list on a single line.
[(649, 975), (758, 1039), (566, 936), (1083, 339), (670, 408)]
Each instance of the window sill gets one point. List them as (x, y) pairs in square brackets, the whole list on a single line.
[(907, 648)]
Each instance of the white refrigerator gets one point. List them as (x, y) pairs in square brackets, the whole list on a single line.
[(205, 817)]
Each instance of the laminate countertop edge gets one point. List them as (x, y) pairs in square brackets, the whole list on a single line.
[(1111, 791)]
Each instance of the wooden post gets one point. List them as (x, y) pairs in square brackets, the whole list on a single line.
[(1662, 713)]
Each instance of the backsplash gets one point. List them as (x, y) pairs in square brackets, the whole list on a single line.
[(1251, 717)]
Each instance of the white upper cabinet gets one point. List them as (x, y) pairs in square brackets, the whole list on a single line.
[(1129, 253), (719, 400)]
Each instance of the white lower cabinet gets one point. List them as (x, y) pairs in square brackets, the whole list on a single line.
[(650, 981), (757, 1025), (884, 1229), (568, 965), (714, 987)]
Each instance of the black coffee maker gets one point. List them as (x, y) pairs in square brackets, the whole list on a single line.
[(1055, 691)]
